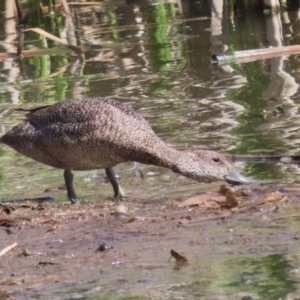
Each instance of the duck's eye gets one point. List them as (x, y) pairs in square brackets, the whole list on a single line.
[(216, 159)]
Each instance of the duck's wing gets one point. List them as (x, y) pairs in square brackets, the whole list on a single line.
[(123, 108), (89, 110), (29, 110), (84, 134)]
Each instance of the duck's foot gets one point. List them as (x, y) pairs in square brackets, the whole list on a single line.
[(70, 189), (75, 200), (119, 194), (120, 198)]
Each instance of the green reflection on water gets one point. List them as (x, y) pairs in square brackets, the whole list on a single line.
[(260, 170), (247, 138), (2, 175), (250, 97), (160, 51), (42, 66), (266, 277)]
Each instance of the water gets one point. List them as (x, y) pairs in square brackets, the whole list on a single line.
[(156, 57)]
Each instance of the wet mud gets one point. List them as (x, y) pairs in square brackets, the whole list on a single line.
[(98, 248)]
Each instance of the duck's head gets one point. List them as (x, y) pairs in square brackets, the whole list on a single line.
[(209, 166)]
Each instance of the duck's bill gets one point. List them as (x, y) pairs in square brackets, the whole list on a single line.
[(236, 178)]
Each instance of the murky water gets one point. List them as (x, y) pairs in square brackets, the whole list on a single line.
[(156, 56)]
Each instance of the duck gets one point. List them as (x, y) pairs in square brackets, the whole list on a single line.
[(100, 133)]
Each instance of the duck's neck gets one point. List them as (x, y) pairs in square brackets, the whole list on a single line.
[(185, 163), (167, 157), (179, 161)]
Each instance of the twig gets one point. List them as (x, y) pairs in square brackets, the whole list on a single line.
[(257, 54), (54, 38), (254, 158), (66, 7), (8, 248)]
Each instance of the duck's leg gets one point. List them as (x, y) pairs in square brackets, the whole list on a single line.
[(119, 194), (69, 184)]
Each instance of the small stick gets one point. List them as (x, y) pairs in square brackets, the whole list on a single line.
[(66, 7), (256, 54), (8, 248)]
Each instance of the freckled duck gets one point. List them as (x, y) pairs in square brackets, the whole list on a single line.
[(98, 133)]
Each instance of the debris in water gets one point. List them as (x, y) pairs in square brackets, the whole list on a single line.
[(104, 247), (8, 248), (7, 208), (180, 259), (25, 252), (231, 200), (270, 197), (224, 198), (44, 263), (120, 210), (202, 199), (141, 174), (248, 298)]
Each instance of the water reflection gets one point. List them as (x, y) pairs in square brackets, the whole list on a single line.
[(264, 277)]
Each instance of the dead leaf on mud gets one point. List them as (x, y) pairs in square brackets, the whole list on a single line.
[(224, 198), (202, 199), (231, 200), (44, 263), (27, 204), (179, 258), (7, 208), (120, 210), (270, 197), (7, 222)]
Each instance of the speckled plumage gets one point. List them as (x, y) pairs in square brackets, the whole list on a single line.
[(99, 133)]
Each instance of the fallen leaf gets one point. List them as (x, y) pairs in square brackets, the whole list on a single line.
[(231, 200), (44, 263), (200, 199), (213, 205), (271, 197), (223, 189), (54, 38), (179, 258)]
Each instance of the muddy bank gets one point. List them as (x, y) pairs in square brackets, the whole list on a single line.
[(100, 249)]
